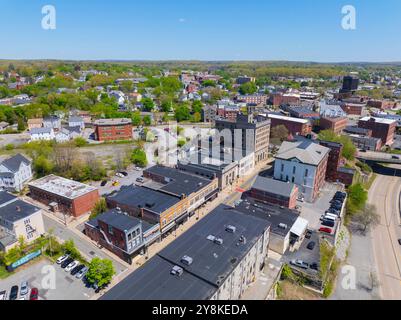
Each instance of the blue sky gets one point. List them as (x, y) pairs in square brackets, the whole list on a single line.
[(298, 30)]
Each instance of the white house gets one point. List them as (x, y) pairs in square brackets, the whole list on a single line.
[(53, 122), (38, 134), (67, 134), (15, 172)]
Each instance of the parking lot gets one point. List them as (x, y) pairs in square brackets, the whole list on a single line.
[(43, 275), (313, 211)]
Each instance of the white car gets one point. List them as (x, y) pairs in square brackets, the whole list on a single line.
[(120, 175), (62, 259), (72, 265)]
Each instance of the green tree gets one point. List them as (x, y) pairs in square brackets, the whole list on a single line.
[(101, 271), (278, 134), (357, 197), (349, 150), (80, 142), (197, 106), (100, 207), (43, 166), (182, 113), (208, 83), (147, 120), (138, 157), (148, 104), (70, 248), (248, 88), (136, 119)]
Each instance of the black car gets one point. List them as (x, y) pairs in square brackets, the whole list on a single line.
[(311, 245), (328, 223), (77, 269), (14, 293), (336, 206), (314, 266), (308, 234), (124, 173), (104, 182), (66, 263)]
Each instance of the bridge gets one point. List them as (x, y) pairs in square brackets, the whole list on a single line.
[(379, 157)]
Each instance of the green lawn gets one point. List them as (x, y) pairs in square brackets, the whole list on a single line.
[(3, 272)]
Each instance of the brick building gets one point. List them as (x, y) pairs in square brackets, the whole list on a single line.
[(113, 129), (334, 160), (353, 108), (337, 124), (294, 126), (279, 98), (64, 195), (383, 129), (253, 98), (274, 192), (382, 104)]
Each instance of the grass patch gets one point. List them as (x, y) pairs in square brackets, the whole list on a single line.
[(288, 290), (3, 272)]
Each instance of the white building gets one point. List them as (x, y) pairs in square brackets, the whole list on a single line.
[(53, 122), (303, 163), (38, 134), (67, 134), (74, 121), (15, 172)]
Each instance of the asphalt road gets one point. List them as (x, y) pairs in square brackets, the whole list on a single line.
[(385, 193)]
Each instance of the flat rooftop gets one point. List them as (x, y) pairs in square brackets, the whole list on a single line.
[(274, 186), (284, 118), (62, 187), (378, 120), (112, 122), (141, 197), (178, 182), (212, 263)]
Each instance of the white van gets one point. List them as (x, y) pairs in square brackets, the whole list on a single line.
[(330, 217)]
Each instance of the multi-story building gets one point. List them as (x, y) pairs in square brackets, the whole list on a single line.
[(15, 172), (64, 195), (113, 129), (196, 189), (334, 161), (303, 163), (335, 124), (382, 104), (246, 133), (217, 259), (279, 98), (52, 122), (366, 142), (122, 234), (302, 112), (245, 79), (35, 123), (253, 99), (75, 121), (383, 129), (42, 134), (18, 219), (274, 192), (295, 126)]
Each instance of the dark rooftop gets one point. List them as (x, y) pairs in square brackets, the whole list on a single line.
[(17, 210), (6, 197), (178, 182), (275, 215), (141, 197), (212, 263), (14, 163), (118, 220)]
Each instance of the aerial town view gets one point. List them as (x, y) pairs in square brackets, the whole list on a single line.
[(200, 152)]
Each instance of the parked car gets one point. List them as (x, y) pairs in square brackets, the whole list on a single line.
[(103, 183), (77, 269), (138, 169), (82, 272), (308, 234), (362, 150), (34, 294), (24, 288), (300, 264), (140, 179), (314, 266), (3, 295), (66, 263), (399, 241), (311, 245), (326, 230), (124, 173), (395, 157), (13, 293), (62, 259), (120, 175), (72, 265)]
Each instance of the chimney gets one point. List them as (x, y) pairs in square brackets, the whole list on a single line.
[(18, 208)]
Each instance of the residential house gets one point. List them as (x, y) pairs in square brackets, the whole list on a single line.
[(15, 172)]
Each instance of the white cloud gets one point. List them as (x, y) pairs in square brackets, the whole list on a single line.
[(182, 20)]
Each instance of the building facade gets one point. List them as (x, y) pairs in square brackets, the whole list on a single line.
[(383, 129), (15, 172), (113, 129)]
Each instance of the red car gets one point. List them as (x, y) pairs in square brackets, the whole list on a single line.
[(34, 294), (326, 230)]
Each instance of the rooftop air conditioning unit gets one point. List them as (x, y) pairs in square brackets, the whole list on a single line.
[(187, 260), (177, 271), (231, 229)]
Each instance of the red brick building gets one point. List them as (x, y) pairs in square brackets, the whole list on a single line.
[(64, 195), (294, 126), (336, 124), (383, 129), (278, 99), (382, 104), (113, 129), (274, 192), (253, 98), (334, 160), (353, 108)]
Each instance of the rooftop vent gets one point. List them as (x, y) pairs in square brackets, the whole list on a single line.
[(177, 271), (18, 208), (149, 204), (218, 241), (242, 239), (231, 229), (211, 238), (283, 226), (187, 260)]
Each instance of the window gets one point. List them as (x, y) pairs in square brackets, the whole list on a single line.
[(282, 167), (294, 169), (293, 179), (306, 172), (110, 229)]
